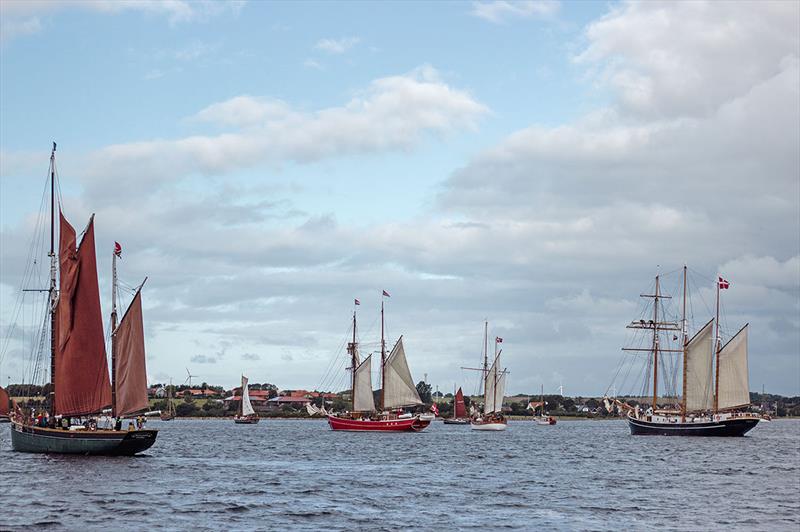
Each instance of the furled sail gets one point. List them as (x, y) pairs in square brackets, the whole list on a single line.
[(734, 384), (699, 371), (81, 379), (398, 386), (489, 389), (131, 372), (460, 409), (247, 408), (363, 400), (3, 402)]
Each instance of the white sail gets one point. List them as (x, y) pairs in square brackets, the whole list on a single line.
[(699, 370), (247, 408), (363, 400), (489, 389), (398, 386), (500, 391), (734, 384)]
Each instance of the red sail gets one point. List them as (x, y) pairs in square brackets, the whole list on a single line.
[(81, 381), (461, 410), (130, 367), (3, 402)]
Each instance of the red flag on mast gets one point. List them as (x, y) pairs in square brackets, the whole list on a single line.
[(357, 302), (386, 294), (117, 249), (723, 284)]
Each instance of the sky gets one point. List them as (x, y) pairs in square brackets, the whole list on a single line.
[(533, 164)]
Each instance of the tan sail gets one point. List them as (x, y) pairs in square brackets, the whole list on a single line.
[(131, 372), (247, 407), (734, 385), (398, 387), (699, 370), (489, 390), (363, 400), (499, 392)]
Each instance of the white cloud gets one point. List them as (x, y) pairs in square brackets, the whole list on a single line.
[(500, 11), (337, 46)]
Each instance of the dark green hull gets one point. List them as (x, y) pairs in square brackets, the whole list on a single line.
[(29, 439)]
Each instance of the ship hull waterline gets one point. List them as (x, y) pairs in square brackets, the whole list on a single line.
[(457, 421), (245, 420), (493, 426), (414, 424), (726, 427), (29, 439)]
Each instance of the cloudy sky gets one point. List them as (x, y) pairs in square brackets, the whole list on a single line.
[(535, 164)]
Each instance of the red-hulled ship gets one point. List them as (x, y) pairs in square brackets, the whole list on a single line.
[(78, 368), (397, 391)]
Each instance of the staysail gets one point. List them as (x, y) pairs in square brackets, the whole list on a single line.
[(81, 377), (499, 392), (131, 378), (699, 370), (460, 408), (489, 389), (398, 386), (734, 385), (247, 407), (363, 400)]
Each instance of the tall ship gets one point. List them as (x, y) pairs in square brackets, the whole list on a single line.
[(494, 384), (79, 377), (714, 399), (245, 415), (397, 390)]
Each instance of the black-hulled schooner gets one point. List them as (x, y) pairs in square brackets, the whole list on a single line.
[(715, 396), (79, 377)]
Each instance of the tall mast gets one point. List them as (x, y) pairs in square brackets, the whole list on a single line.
[(542, 398), (383, 357), (485, 352), (53, 290), (655, 346), (716, 354), (353, 365), (685, 354), (494, 399), (114, 334)]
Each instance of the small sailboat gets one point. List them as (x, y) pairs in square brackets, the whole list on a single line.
[(459, 411), (715, 393), (169, 413), (246, 414), (78, 367), (544, 419), (397, 391), (494, 384)]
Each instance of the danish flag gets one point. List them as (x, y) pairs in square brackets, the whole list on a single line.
[(117, 249), (357, 302), (435, 409), (723, 284)]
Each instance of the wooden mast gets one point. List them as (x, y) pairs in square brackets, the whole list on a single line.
[(353, 365), (485, 352), (383, 356), (655, 346), (114, 335), (716, 352), (685, 352), (53, 289)]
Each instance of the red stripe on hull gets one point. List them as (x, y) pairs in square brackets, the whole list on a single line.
[(389, 425)]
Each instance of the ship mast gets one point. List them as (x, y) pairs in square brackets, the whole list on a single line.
[(684, 343), (655, 345), (114, 335), (716, 353), (351, 348), (485, 351), (383, 357), (53, 289)]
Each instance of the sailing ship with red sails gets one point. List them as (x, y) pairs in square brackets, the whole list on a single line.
[(79, 376), (5, 402), (715, 396), (397, 392), (459, 411)]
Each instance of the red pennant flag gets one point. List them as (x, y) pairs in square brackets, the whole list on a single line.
[(117, 249), (357, 302), (386, 294), (723, 284)]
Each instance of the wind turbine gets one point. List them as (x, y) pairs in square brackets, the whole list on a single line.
[(190, 377)]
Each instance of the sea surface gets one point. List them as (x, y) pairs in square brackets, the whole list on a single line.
[(298, 475)]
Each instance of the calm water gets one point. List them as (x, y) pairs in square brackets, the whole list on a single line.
[(578, 475)]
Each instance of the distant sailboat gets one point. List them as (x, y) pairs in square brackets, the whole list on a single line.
[(459, 411), (494, 385), (543, 419), (246, 415), (715, 385), (169, 413), (78, 367), (398, 391)]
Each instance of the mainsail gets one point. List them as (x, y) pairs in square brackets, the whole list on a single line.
[(398, 386), (699, 370), (81, 377), (131, 375), (247, 408), (363, 400), (460, 409), (734, 386), (489, 389)]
